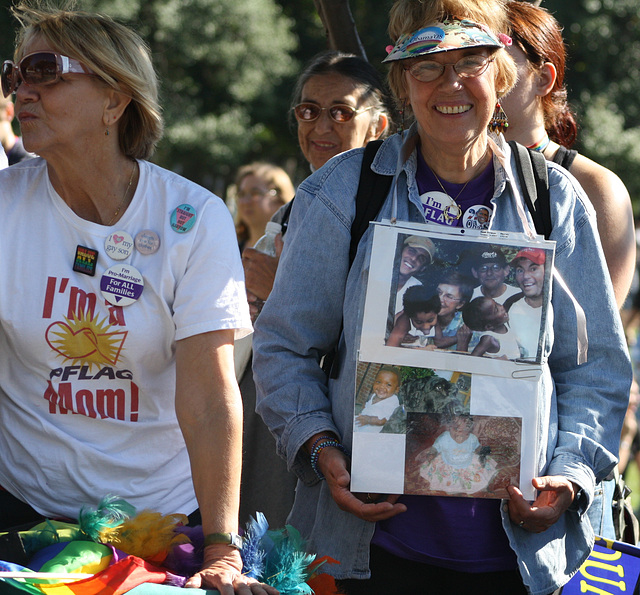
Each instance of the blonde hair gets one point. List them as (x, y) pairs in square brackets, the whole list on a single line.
[(274, 177), (115, 53), (407, 16)]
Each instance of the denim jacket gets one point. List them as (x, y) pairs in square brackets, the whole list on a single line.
[(582, 408)]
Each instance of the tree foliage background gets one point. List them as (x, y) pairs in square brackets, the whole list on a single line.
[(228, 68)]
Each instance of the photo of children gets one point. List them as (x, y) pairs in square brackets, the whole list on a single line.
[(475, 456), (493, 298), (415, 324), (382, 402)]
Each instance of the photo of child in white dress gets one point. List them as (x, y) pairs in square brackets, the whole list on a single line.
[(457, 462), (462, 455), (382, 403)]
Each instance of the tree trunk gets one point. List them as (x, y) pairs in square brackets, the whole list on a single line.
[(341, 29)]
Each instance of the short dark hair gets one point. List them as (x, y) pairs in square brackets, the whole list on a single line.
[(352, 67), (473, 316), (419, 299)]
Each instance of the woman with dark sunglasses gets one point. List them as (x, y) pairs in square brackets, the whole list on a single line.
[(116, 340), (450, 69)]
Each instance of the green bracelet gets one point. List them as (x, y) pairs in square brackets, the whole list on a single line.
[(232, 539)]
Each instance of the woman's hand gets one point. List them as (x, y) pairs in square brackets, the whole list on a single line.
[(333, 465), (260, 270), (222, 570), (556, 493)]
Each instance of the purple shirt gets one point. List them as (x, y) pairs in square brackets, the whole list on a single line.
[(474, 198)]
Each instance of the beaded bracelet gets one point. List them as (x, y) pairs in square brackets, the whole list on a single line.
[(318, 445)]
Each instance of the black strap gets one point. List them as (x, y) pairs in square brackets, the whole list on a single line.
[(372, 192), (531, 167), (285, 217), (564, 157)]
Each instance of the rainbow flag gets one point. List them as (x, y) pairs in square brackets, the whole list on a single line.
[(114, 580)]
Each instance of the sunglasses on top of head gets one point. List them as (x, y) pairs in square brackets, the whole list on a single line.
[(340, 113), (38, 68)]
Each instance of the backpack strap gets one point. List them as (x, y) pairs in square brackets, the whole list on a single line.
[(285, 217), (373, 189), (564, 157), (531, 167)]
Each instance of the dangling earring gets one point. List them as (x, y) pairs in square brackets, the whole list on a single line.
[(498, 122), (106, 132)]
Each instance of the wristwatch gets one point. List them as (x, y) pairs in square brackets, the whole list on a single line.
[(232, 539)]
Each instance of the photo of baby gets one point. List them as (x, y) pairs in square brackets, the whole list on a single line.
[(465, 455), (382, 402)]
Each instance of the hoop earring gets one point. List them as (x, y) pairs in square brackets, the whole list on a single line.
[(498, 122)]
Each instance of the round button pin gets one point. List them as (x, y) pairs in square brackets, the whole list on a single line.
[(183, 218), (147, 241), (119, 245), (121, 285), (477, 217)]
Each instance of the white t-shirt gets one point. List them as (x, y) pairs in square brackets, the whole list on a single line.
[(87, 389), (501, 299), (525, 321), (509, 345), (4, 160)]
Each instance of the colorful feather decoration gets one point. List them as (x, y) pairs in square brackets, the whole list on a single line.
[(97, 523), (253, 552), (148, 535)]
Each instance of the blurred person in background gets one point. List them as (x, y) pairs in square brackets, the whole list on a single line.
[(11, 143), (260, 190)]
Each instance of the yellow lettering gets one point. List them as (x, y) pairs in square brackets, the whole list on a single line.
[(619, 570)]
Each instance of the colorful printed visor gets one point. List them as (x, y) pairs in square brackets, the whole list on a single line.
[(452, 34)]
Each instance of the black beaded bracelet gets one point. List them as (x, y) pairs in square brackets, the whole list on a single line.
[(318, 445)]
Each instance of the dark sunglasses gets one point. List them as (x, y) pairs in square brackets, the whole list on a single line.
[(39, 68), (340, 113)]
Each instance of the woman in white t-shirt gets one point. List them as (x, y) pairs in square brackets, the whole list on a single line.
[(119, 310)]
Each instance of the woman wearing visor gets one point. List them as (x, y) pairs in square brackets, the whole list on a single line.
[(116, 341), (450, 69)]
